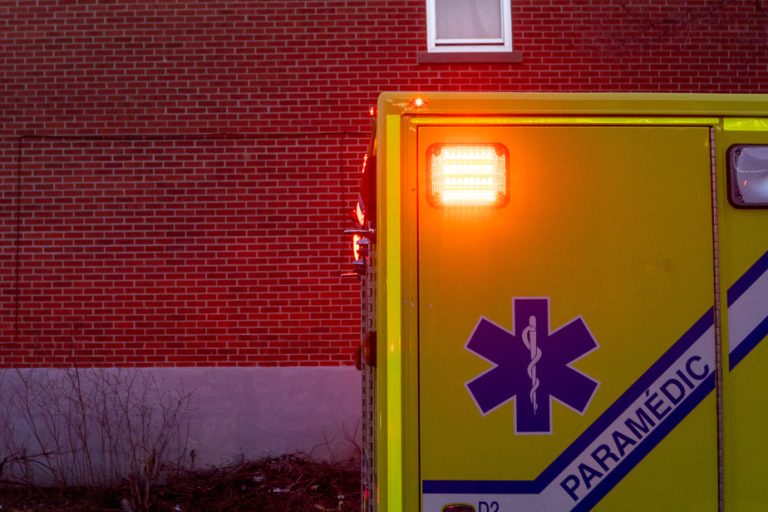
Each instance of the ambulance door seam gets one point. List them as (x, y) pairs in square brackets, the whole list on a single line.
[(417, 250), (717, 323)]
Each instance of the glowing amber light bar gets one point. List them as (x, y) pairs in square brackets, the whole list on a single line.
[(468, 175)]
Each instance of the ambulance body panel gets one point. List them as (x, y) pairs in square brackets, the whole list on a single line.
[(590, 340)]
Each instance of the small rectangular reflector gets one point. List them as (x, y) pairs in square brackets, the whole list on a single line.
[(467, 174)]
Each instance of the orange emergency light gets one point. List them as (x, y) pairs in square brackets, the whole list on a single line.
[(467, 174)]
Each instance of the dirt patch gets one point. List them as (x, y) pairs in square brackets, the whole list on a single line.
[(290, 483)]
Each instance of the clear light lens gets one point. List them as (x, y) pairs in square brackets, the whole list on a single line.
[(470, 175), (749, 175)]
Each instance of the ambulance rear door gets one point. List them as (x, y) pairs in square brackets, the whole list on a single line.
[(565, 328)]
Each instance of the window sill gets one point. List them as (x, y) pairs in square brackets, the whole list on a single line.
[(470, 57)]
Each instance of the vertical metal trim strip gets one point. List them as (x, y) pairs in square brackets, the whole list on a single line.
[(718, 325), (393, 321), (368, 436)]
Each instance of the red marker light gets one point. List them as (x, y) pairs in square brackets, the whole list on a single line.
[(356, 247)]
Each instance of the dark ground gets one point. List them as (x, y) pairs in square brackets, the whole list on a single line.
[(289, 483)]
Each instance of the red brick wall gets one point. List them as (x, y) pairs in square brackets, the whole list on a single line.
[(183, 251), (174, 175)]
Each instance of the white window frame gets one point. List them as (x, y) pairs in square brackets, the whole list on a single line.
[(503, 44)]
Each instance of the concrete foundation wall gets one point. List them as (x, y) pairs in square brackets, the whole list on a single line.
[(88, 425)]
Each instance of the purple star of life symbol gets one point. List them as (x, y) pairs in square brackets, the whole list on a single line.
[(532, 366)]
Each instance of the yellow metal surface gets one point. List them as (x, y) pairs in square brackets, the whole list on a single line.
[(594, 224), (566, 121), (743, 241), (577, 104), (745, 124), (619, 232), (389, 492)]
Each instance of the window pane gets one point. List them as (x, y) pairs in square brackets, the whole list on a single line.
[(468, 19)]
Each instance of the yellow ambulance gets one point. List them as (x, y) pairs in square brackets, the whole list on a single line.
[(565, 303)]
